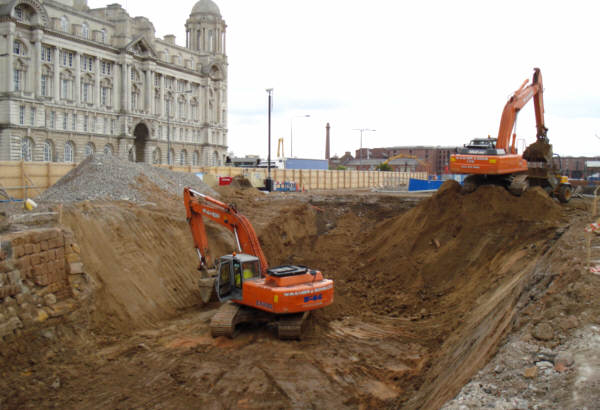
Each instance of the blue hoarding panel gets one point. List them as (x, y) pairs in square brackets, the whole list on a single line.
[(423, 185)]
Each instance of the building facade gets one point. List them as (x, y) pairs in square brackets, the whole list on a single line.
[(434, 160), (77, 80)]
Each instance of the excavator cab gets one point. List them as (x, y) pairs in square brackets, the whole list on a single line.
[(233, 270)]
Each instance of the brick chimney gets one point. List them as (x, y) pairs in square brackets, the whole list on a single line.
[(327, 142)]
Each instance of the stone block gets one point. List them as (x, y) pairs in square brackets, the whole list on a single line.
[(61, 265), (61, 240), (28, 249), (26, 272), (75, 268), (14, 278), (5, 266), (44, 245), (41, 316), (76, 249), (36, 248), (49, 299), (53, 243), (60, 253), (18, 251), (35, 259), (62, 308), (24, 262)]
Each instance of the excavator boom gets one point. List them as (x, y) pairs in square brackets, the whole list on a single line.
[(199, 206)]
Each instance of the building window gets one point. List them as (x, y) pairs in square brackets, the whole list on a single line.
[(69, 152), (89, 149), (32, 116), (19, 12), (66, 58), (157, 80), (48, 151), (106, 68), (64, 24), (113, 126), (211, 40), (52, 119), (105, 126), (65, 120), (134, 100), (22, 115), (105, 95), (46, 84), (156, 156), (74, 122), (19, 48), (85, 123), (93, 125), (27, 149), (103, 36), (85, 31), (108, 150), (18, 77), (182, 157), (66, 88), (195, 158), (160, 131), (46, 54), (87, 91), (87, 63)]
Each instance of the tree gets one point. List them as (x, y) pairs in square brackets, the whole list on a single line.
[(384, 166)]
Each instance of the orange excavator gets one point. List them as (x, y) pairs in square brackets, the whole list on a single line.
[(496, 161), (249, 289)]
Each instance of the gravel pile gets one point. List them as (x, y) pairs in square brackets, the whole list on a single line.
[(112, 178)]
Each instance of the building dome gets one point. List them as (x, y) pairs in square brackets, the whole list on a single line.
[(206, 7)]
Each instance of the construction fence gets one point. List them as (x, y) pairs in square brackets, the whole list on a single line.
[(21, 180)]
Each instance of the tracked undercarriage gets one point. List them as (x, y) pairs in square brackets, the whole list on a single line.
[(230, 315)]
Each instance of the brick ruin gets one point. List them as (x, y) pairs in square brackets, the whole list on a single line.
[(41, 278)]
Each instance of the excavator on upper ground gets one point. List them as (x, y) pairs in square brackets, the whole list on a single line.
[(249, 289), (496, 160)]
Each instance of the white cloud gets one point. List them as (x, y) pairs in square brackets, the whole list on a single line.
[(419, 72)]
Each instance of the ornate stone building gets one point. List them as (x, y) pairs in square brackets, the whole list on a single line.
[(76, 80)]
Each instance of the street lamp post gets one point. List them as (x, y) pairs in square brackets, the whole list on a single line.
[(169, 125), (268, 182), (361, 138), (292, 133)]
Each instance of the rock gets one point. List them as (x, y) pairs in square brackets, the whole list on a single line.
[(8, 301), (41, 316), (567, 323), (564, 358), (531, 372), (498, 369), (49, 334), (50, 299), (56, 383), (543, 331), (544, 365)]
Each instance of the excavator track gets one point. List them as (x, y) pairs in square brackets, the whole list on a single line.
[(225, 321), (290, 327)]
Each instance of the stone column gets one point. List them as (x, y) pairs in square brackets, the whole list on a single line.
[(37, 62), (97, 83), (10, 60), (77, 85), (163, 108), (151, 94), (124, 81), (56, 79), (206, 103), (147, 93)]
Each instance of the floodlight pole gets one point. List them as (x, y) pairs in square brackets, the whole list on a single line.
[(361, 138), (268, 183)]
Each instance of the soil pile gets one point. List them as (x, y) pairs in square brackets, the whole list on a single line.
[(111, 178)]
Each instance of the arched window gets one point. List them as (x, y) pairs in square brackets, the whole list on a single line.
[(108, 150), (66, 85), (87, 89), (215, 159), (27, 149), (19, 75), (171, 156), (90, 149), (69, 152), (195, 158), (64, 24), (85, 30), (183, 157), (156, 156), (106, 93), (48, 151)]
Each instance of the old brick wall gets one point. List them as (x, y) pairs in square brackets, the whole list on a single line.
[(41, 277)]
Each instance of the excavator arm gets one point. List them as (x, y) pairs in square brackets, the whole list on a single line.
[(199, 206), (526, 92)]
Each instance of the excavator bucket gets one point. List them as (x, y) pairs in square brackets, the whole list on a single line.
[(207, 289), (539, 151)]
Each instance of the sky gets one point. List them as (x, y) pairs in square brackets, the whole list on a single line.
[(427, 72)]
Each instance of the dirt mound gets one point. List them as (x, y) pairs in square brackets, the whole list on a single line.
[(112, 178)]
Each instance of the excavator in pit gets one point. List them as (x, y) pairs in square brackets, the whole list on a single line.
[(249, 290), (496, 160)]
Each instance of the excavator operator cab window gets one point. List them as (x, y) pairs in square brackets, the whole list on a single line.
[(237, 274), (250, 270), (224, 282)]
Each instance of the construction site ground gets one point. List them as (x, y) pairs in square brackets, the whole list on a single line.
[(430, 294)]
